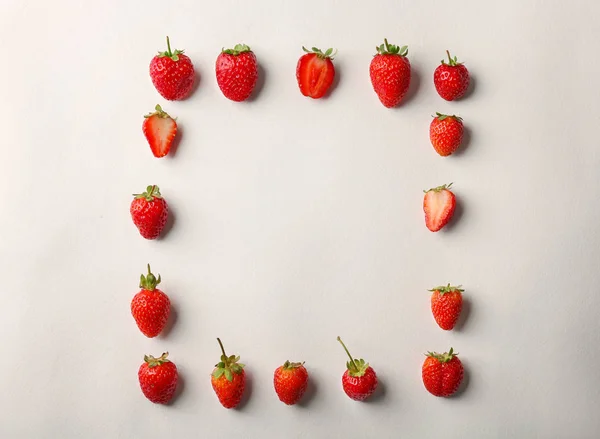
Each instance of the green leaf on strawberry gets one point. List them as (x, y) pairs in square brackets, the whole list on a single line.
[(228, 365)]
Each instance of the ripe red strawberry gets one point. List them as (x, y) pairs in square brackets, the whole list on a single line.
[(451, 80), (446, 133), (438, 204), (315, 72), (228, 379), (237, 72), (158, 378), (290, 381), (172, 74), (446, 305), (150, 307), (149, 212), (359, 380), (160, 130), (442, 373), (390, 73)]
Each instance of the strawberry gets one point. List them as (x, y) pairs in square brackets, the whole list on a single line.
[(290, 381), (160, 130), (315, 72), (158, 378), (150, 307), (359, 380), (438, 204), (149, 212), (442, 373), (172, 74), (390, 73), (237, 72), (228, 379), (451, 80), (446, 133), (446, 304)]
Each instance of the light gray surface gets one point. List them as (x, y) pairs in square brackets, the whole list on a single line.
[(300, 220)]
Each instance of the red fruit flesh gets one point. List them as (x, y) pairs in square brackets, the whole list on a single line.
[(438, 204), (158, 379), (229, 393), (290, 382), (442, 373), (446, 306), (360, 388), (160, 131), (237, 73), (315, 75)]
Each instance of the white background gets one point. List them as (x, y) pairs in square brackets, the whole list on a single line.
[(297, 220)]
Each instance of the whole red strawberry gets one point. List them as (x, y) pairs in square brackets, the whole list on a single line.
[(150, 307), (172, 74), (237, 72), (228, 379), (439, 204), (315, 72), (160, 129), (446, 133), (390, 73), (359, 380), (158, 378), (149, 212), (446, 305), (442, 373), (451, 80), (290, 381)]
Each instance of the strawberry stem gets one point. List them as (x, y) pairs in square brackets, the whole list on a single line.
[(222, 349), (346, 349), (170, 54)]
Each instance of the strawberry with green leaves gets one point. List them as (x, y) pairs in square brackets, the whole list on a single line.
[(390, 73), (150, 307), (359, 381), (446, 305), (149, 212), (172, 74), (160, 130), (228, 379), (237, 72), (315, 72), (446, 133), (290, 381), (442, 373), (158, 378), (439, 204), (451, 80)]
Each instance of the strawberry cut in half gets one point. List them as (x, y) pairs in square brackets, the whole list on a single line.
[(160, 130), (438, 204), (315, 72)]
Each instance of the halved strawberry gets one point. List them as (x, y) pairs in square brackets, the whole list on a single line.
[(315, 72), (438, 204), (160, 130)]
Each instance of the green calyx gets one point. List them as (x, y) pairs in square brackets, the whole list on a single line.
[(149, 282), (451, 61), (158, 111), (291, 366), (174, 55), (153, 362), (239, 48), (328, 54), (442, 358), (151, 193), (447, 289), (228, 365), (439, 188), (356, 368), (441, 116), (390, 49)]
